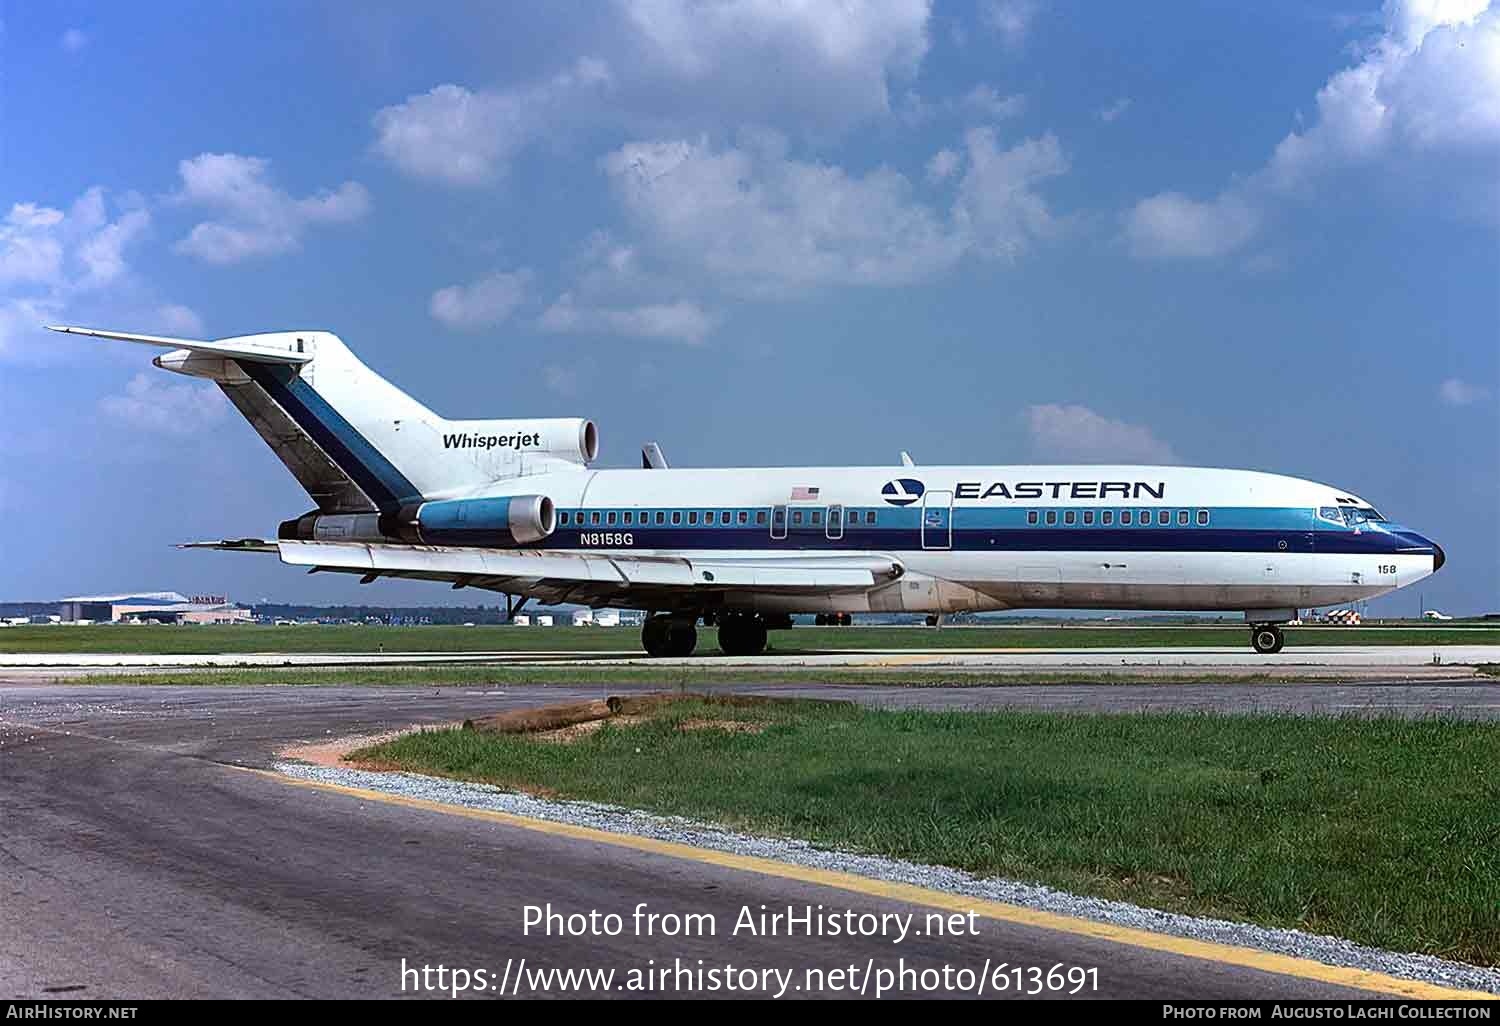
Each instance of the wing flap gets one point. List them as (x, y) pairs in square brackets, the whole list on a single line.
[(564, 568)]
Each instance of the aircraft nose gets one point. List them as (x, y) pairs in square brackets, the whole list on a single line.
[(1438, 557)]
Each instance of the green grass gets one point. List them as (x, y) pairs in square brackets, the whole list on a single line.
[(332, 639), (1383, 831)]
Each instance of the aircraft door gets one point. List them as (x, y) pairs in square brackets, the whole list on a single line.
[(937, 520), (835, 528), (778, 523)]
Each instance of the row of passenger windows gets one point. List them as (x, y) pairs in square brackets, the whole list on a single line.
[(1127, 517), (709, 517)]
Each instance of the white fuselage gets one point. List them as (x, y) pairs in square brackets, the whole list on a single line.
[(1004, 537)]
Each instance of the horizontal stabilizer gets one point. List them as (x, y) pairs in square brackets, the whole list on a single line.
[(232, 545), (230, 350)]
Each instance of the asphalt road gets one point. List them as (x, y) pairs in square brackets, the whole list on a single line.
[(1358, 657), (138, 859)]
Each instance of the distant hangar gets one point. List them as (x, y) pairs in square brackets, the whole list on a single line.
[(152, 606)]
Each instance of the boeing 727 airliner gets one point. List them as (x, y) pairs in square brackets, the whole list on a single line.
[(513, 506)]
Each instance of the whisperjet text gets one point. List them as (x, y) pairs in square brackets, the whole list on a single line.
[(516, 441), (1060, 490)]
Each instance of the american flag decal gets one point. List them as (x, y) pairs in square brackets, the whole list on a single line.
[(804, 494)]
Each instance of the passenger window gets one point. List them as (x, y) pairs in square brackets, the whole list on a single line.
[(1031, 517), (817, 516), (1069, 517), (562, 518), (1163, 517), (1203, 518), (611, 518), (1088, 516), (744, 517), (1107, 517), (760, 516), (1182, 517), (594, 517), (693, 517), (677, 516), (1125, 516), (869, 516), (661, 517), (1051, 517), (1145, 518), (629, 517), (834, 517)]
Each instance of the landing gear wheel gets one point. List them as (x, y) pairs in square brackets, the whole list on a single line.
[(682, 638), (742, 635), (654, 636), (664, 636), (1267, 639)]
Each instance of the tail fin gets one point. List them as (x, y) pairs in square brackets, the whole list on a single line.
[(352, 439)]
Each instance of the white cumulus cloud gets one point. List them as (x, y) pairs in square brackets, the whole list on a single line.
[(1073, 432), (679, 321), (1424, 94), (811, 62), (999, 208), (482, 303), (151, 403), (1457, 392), (1170, 224), (459, 136), (942, 165), (762, 223), (54, 261), (1012, 19), (253, 217), (987, 101)]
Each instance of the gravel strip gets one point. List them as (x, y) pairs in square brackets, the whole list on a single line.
[(1328, 950)]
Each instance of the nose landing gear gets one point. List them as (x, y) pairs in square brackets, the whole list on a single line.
[(1266, 638)]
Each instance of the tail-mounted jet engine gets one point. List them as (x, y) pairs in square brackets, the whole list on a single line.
[(497, 521)]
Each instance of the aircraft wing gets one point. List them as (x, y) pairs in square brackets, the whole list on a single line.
[(553, 576), (233, 352)]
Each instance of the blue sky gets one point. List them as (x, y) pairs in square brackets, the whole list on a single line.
[(1262, 236)]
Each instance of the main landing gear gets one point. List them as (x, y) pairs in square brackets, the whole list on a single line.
[(1266, 638), (742, 634), (664, 635)]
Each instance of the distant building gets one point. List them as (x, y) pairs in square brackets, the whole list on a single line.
[(153, 606)]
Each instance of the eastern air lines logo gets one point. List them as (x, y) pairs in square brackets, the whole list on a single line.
[(903, 491)]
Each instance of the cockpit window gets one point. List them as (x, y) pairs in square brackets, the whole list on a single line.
[(1354, 515)]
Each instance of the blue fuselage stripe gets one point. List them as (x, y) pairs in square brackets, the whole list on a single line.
[(386, 486), (1236, 529)]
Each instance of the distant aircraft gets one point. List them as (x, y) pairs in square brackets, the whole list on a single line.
[(513, 506), (1433, 614)]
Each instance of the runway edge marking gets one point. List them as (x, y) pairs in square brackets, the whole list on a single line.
[(1249, 958)]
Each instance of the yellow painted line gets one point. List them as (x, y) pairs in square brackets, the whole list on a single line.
[(1225, 954)]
